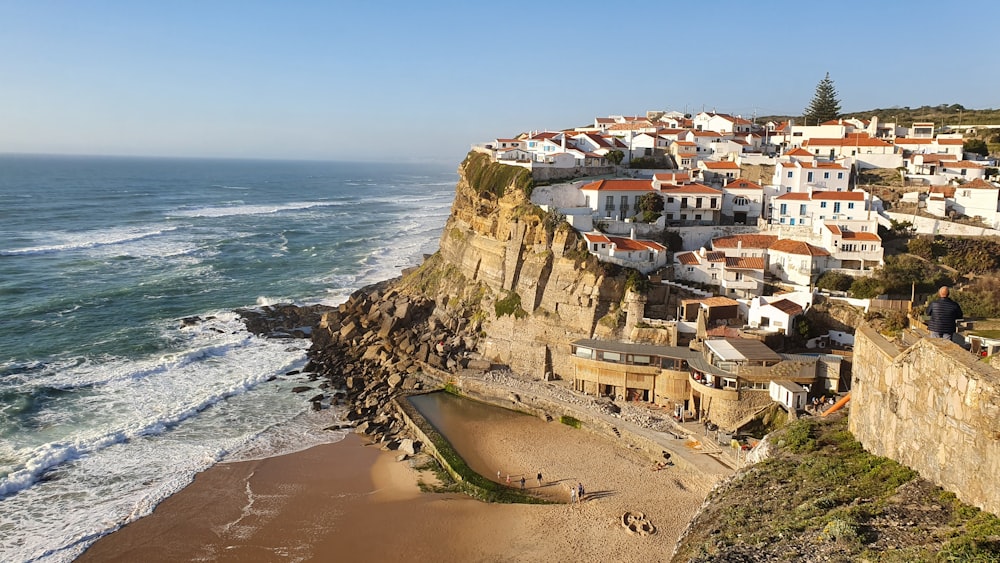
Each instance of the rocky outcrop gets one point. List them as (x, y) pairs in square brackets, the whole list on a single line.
[(520, 275)]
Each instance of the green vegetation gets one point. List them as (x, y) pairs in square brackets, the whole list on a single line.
[(452, 389), (825, 105), (488, 177), (835, 281), (510, 305), (615, 157), (820, 491), (636, 281), (570, 421)]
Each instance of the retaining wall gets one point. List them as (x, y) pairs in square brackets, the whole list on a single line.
[(933, 407)]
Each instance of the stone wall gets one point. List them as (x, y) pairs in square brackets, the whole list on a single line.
[(933, 407)]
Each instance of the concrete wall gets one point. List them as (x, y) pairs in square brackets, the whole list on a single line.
[(933, 407), (926, 226)]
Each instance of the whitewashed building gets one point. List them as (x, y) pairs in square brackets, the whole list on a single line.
[(643, 255)]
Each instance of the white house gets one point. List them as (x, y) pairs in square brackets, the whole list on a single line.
[(742, 202), (791, 395), (691, 203), (797, 175), (643, 255), (868, 152), (978, 198), (961, 170), (853, 250), (719, 172), (776, 312), (796, 262), (708, 143), (805, 208), (735, 276), (685, 154), (721, 123), (911, 145), (615, 199)]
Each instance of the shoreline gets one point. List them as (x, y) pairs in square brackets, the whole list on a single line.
[(354, 501)]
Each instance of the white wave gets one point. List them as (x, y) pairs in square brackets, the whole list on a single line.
[(252, 209), (89, 239)]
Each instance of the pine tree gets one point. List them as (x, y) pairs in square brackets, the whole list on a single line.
[(825, 105)]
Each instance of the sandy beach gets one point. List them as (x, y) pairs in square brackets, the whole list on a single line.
[(352, 501)]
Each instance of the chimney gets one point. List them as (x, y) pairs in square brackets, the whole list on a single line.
[(631, 234)]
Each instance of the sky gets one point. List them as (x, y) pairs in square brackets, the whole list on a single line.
[(421, 81)]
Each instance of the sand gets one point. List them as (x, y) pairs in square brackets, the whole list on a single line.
[(353, 502)]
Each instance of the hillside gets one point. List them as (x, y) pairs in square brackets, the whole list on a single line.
[(821, 497), (943, 114)]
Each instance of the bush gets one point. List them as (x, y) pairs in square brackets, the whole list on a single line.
[(865, 288), (488, 177), (835, 281)]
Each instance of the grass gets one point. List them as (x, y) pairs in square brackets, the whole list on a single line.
[(822, 489), (510, 305), (488, 177)]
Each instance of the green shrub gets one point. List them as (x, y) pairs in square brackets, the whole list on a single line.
[(488, 177), (510, 305), (570, 421)]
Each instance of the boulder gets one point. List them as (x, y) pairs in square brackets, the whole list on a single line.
[(301, 389), (348, 331), (479, 365), (409, 446), (394, 381)]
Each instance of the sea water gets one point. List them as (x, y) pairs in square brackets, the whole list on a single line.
[(109, 403)]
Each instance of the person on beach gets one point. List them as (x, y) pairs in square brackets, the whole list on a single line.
[(572, 495), (579, 491), (498, 475), (539, 478), (508, 479), (522, 482)]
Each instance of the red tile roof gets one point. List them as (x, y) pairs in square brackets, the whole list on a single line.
[(742, 184), (839, 196), (697, 189), (981, 184), (619, 185), (785, 306), (749, 241), (742, 263), (720, 165), (636, 244), (854, 235), (789, 246), (798, 152), (687, 258), (595, 237)]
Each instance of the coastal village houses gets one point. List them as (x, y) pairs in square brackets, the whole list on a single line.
[(740, 236)]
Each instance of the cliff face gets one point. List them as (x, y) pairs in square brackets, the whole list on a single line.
[(516, 272)]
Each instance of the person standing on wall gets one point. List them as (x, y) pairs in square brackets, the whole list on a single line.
[(943, 314)]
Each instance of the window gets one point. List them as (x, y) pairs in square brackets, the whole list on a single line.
[(836, 207), (740, 201), (789, 173), (586, 201), (826, 175), (624, 202), (697, 217), (783, 209), (850, 205), (809, 176), (840, 175), (822, 205), (690, 268), (715, 203), (610, 202), (715, 276), (802, 209), (697, 202), (611, 356), (670, 200), (684, 202), (640, 360), (584, 353)]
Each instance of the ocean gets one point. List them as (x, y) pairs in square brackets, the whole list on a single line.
[(109, 403)]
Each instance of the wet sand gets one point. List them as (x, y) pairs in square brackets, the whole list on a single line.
[(352, 502)]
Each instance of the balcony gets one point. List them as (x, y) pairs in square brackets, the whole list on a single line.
[(711, 391)]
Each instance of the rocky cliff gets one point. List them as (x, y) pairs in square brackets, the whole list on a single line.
[(518, 275)]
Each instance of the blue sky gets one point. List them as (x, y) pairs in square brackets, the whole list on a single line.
[(409, 81)]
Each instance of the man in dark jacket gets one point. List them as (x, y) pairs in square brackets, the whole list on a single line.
[(943, 312)]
